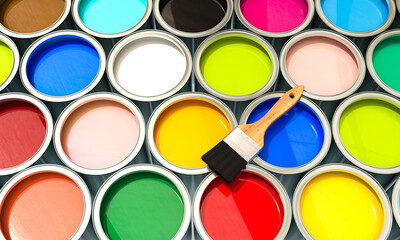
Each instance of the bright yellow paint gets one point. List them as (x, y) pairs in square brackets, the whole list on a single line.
[(341, 205), (187, 129)]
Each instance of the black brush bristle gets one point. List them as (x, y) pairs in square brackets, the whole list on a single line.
[(224, 161)]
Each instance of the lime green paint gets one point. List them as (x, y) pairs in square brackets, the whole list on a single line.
[(370, 131), (386, 61), (142, 205), (236, 65), (6, 61)]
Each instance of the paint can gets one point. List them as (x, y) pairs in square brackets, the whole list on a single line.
[(149, 65), (275, 19), (184, 127), (365, 127), (99, 133), (296, 142), (62, 66), (32, 18), (193, 18), (22, 117), (382, 61), (232, 74), (396, 201), (349, 17), (254, 206), (9, 60), (111, 18), (45, 202), (142, 202), (338, 201), (329, 65)]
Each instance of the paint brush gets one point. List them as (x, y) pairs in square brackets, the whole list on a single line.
[(233, 153)]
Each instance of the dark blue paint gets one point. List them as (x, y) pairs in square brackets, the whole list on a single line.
[(63, 65), (293, 140)]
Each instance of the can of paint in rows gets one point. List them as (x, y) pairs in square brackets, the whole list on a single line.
[(9, 60), (99, 133), (108, 19), (339, 201), (23, 117), (232, 74), (329, 65), (350, 17), (149, 65), (296, 142), (45, 202), (275, 19), (62, 66), (184, 127), (396, 201), (32, 18), (142, 201), (256, 197), (365, 128), (382, 61), (191, 18)]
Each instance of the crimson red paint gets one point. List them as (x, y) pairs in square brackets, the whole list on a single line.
[(22, 132), (248, 208)]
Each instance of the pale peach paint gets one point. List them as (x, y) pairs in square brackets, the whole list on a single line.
[(100, 134), (323, 64), (45, 206)]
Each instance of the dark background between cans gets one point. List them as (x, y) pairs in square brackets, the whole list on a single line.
[(191, 182)]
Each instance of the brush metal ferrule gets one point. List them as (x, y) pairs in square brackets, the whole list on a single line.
[(246, 147)]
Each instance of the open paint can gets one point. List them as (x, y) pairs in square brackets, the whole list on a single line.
[(184, 127), (192, 18), (254, 206), (396, 201), (142, 202), (26, 128), (365, 127), (357, 18), (99, 133), (111, 18), (45, 202), (32, 18), (9, 61), (236, 65), (62, 66), (338, 201), (330, 66), (275, 18), (297, 141), (149, 65), (383, 61)]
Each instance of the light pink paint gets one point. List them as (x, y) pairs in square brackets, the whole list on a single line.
[(99, 134), (324, 65), (274, 15)]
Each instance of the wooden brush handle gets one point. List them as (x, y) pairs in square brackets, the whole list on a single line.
[(256, 131)]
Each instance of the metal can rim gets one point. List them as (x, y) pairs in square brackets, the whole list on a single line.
[(323, 121), (262, 42), (49, 130), (336, 135), (302, 26), (336, 37), (23, 66), (143, 34), (253, 169), (140, 168), (395, 201), (383, 27), (92, 98), (216, 28), (59, 170), (167, 103), (16, 57), (340, 167)]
